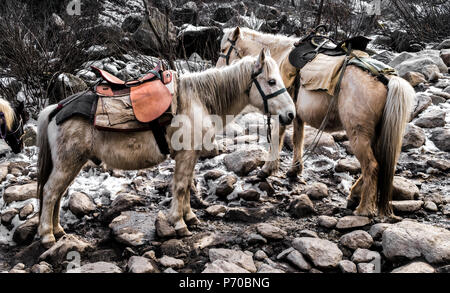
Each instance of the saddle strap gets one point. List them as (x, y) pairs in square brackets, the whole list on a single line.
[(159, 133)]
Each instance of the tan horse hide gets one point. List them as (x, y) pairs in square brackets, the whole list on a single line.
[(323, 72), (116, 112)]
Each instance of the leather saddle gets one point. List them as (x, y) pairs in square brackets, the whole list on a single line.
[(149, 96), (308, 48)]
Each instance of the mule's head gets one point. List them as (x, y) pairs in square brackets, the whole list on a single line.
[(231, 47), (267, 91), (13, 135)]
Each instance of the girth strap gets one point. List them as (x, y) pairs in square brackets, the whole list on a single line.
[(159, 133)]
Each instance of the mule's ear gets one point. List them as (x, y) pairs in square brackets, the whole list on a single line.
[(262, 56), (236, 34), (268, 53)]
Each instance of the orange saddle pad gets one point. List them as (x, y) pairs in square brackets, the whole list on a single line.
[(149, 96)]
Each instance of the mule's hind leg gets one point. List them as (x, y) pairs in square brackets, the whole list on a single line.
[(182, 178), (189, 217), (297, 161), (362, 147)]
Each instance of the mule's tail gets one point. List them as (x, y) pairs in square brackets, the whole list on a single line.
[(393, 122), (45, 163)]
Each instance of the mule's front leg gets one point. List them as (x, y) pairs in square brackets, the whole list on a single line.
[(272, 166), (297, 140), (184, 172)]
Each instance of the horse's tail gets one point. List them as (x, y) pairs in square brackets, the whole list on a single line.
[(45, 163), (395, 116)]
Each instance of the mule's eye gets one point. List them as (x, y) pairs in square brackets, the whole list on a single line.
[(272, 82)]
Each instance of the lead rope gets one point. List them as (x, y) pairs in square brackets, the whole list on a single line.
[(332, 105)]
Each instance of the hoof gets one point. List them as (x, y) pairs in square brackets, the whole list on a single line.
[(183, 232), (263, 175), (364, 213), (194, 221), (59, 233), (351, 204), (48, 241), (293, 174)]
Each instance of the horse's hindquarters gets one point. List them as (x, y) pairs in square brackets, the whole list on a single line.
[(128, 150)]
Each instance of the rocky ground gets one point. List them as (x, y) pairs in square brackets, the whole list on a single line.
[(115, 220)]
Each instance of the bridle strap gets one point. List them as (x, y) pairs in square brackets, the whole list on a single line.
[(266, 98), (228, 55)]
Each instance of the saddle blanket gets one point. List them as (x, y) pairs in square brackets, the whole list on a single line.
[(323, 72)]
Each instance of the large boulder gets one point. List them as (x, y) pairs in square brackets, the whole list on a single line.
[(66, 244), (445, 56), (24, 234), (422, 102), (417, 267), (81, 204), (418, 62), (432, 118), (100, 267), (356, 239), (411, 240)]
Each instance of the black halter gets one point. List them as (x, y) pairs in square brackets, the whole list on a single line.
[(232, 47), (265, 98)]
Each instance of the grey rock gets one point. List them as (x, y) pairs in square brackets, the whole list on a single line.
[(414, 137), (327, 221), (225, 186), (376, 231), (422, 102), (356, 239), (248, 215), (285, 253), (366, 268), (222, 266), (350, 165), (134, 228), (249, 195), (100, 267), (365, 255), (441, 138), (8, 216), (260, 255), (24, 234), (26, 211), (140, 265), (431, 119), (236, 257), (243, 162), (122, 202), (442, 165), (213, 174), (215, 210), (81, 204), (317, 191), (59, 251), (267, 269), (410, 240), (404, 189), (171, 262), (352, 222), (308, 233), (346, 267), (430, 206), (323, 253), (271, 232), (297, 259), (407, 206), (417, 267), (301, 206), (20, 192)]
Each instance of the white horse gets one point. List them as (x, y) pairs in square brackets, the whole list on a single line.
[(65, 148)]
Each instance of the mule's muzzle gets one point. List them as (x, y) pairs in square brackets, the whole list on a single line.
[(287, 119)]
